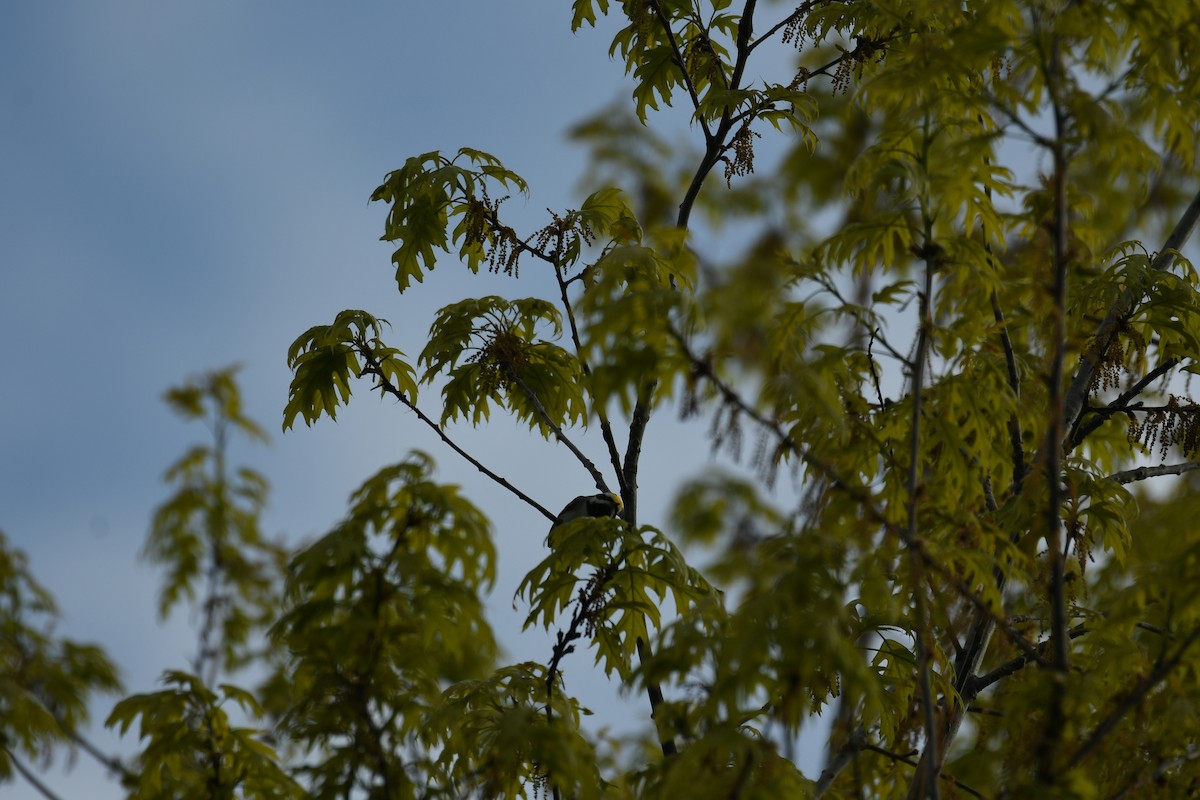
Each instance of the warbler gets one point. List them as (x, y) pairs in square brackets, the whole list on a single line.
[(590, 505)]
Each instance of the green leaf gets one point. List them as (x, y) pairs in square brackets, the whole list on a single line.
[(326, 357), (492, 351), (426, 194)]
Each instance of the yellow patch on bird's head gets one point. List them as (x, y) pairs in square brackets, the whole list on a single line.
[(617, 499)]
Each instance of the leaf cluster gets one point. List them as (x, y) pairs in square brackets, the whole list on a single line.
[(192, 748), (953, 354), (47, 682), (428, 193), (206, 535)]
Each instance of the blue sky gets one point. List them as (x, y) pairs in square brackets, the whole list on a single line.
[(184, 186)]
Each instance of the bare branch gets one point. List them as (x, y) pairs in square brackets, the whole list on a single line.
[(1142, 473), (1047, 750), (29, 776), (1121, 404), (597, 476), (606, 430), (974, 685), (633, 449), (840, 759), (371, 366)]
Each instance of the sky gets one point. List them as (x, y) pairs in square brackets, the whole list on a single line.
[(184, 186)]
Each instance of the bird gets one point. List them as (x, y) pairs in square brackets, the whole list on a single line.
[(605, 504)]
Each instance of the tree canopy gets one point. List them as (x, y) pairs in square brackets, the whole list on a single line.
[(951, 351)]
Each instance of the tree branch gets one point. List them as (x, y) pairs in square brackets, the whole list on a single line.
[(903, 759), (633, 449), (1060, 661), (1160, 772), (858, 493), (800, 11), (1082, 430), (925, 783), (711, 156), (509, 235), (839, 760), (597, 476), (371, 366), (1015, 439), (976, 684), (654, 693), (606, 430), (677, 57), (856, 744), (1132, 700), (585, 607), (1081, 384), (111, 763), (29, 776), (745, 31), (1142, 473)]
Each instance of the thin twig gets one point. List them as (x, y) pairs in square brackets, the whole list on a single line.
[(839, 759), (1120, 405), (677, 57), (903, 759), (111, 763), (371, 366), (29, 776), (597, 476), (1016, 441), (1060, 658), (800, 11), (497, 227), (606, 430)]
